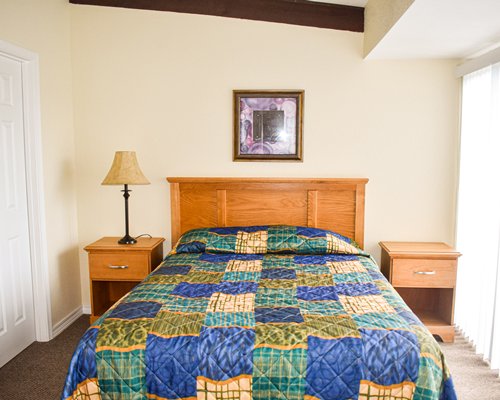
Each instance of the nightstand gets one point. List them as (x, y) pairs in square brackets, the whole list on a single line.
[(115, 269), (424, 274)]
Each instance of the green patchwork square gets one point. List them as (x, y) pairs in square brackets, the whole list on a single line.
[(225, 319), (331, 327), (428, 385), (307, 279), (325, 307), (150, 292), (316, 245), (122, 334), (121, 374), (203, 277), (271, 261), (394, 299), (278, 283), (279, 374), (241, 276), (210, 267), (281, 335), (221, 243), (185, 304), (380, 321), (166, 279), (352, 277), (369, 264), (314, 269), (169, 324), (268, 297), (182, 259), (282, 238), (427, 342)]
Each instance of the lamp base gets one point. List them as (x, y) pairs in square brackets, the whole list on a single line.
[(127, 239)]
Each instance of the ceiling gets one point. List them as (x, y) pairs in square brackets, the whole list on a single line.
[(456, 29), (442, 29)]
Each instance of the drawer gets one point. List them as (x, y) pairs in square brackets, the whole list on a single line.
[(412, 272), (116, 266)]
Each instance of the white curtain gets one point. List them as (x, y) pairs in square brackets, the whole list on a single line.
[(477, 305)]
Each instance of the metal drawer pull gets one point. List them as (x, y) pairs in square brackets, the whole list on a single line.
[(425, 272), (118, 266)]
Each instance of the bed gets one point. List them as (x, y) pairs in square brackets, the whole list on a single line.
[(267, 294)]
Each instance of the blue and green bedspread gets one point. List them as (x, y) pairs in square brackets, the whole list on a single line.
[(267, 312)]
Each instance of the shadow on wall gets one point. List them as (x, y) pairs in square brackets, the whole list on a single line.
[(67, 284)]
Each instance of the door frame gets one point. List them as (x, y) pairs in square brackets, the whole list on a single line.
[(34, 186)]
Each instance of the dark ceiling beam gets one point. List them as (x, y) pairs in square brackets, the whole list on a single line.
[(295, 12)]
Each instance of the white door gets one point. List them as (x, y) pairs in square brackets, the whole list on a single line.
[(17, 327)]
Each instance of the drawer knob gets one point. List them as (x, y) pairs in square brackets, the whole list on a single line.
[(118, 266), (425, 272)]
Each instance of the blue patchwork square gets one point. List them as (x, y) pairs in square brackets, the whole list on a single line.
[(403, 350), (317, 293), (311, 232), (233, 230), (279, 273), (87, 367), (333, 368), (185, 289), (173, 270), (225, 353), (135, 309), (357, 289), (172, 364), (278, 315), (228, 287), (310, 260)]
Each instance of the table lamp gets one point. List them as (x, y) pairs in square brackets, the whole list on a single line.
[(125, 171)]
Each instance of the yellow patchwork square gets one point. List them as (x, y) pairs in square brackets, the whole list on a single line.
[(345, 267), (238, 388), (244, 266), (400, 391), (251, 242), (88, 389), (366, 304), (222, 302), (335, 245)]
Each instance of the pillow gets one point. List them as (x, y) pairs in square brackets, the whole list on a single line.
[(275, 239)]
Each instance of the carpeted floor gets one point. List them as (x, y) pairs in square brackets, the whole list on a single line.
[(472, 376), (39, 371)]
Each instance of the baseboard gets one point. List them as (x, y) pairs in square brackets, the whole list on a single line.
[(67, 321), (87, 310)]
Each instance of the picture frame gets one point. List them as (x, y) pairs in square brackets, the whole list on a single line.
[(268, 125)]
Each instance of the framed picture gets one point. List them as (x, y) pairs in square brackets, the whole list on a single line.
[(268, 125)]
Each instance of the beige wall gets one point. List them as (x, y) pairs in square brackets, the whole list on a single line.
[(161, 84), (43, 27)]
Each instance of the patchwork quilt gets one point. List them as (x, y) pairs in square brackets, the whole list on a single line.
[(262, 312)]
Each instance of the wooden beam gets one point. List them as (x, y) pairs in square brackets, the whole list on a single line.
[(294, 12)]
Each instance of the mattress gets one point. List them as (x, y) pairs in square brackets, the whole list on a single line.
[(262, 312)]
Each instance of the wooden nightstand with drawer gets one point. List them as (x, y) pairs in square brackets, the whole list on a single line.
[(115, 269), (424, 274)]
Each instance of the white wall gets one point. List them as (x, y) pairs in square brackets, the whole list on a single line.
[(44, 28), (161, 84)]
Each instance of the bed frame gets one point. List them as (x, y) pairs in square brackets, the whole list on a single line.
[(336, 204)]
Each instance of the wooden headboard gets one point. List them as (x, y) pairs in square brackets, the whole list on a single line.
[(334, 204)]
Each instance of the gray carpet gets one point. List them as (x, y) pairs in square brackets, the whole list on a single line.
[(40, 370), (472, 376)]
